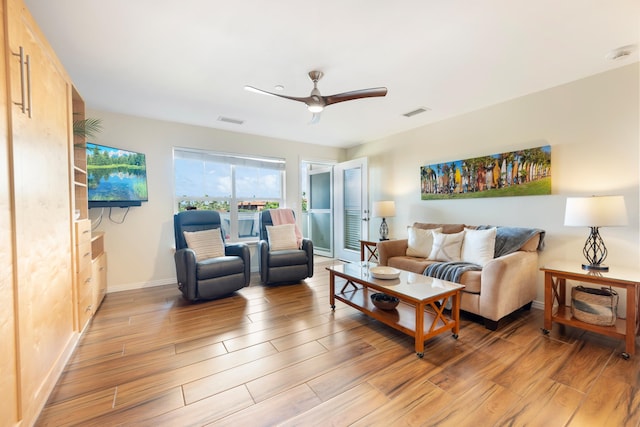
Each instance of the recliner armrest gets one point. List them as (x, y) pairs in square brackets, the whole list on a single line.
[(186, 272), (241, 250), (263, 259), (307, 246)]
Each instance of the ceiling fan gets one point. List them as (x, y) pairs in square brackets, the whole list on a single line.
[(316, 102)]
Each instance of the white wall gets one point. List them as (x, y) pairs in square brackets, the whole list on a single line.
[(592, 126), (140, 251)]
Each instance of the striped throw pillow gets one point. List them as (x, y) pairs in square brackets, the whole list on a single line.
[(206, 244), (282, 237)]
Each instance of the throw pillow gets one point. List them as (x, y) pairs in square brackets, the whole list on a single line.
[(478, 245), (446, 247), (420, 241), (206, 243), (282, 237)]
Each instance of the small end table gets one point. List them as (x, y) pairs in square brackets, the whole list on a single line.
[(555, 278), (369, 251)]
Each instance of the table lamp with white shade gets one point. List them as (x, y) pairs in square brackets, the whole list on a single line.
[(595, 212), (384, 209)]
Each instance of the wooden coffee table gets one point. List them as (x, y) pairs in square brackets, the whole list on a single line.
[(419, 313)]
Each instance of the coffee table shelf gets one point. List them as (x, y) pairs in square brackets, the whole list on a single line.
[(419, 313), (402, 318)]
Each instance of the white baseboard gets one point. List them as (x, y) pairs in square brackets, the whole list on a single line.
[(538, 304), (140, 285)]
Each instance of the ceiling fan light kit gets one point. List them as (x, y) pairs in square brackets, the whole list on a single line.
[(316, 102)]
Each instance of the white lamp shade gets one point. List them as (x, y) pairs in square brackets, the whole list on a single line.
[(384, 209), (596, 211)]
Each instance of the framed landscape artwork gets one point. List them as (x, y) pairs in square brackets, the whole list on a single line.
[(518, 173)]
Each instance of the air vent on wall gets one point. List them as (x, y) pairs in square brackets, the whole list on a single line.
[(416, 111), (230, 120)]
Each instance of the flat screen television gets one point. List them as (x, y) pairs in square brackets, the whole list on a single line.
[(115, 177)]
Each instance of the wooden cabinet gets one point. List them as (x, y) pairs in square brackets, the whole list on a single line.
[(99, 270), (37, 320), (8, 372), (83, 271), (47, 280)]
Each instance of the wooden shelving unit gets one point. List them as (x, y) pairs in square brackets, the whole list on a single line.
[(79, 161)]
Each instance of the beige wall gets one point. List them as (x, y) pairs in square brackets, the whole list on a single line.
[(140, 251), (592, 126)]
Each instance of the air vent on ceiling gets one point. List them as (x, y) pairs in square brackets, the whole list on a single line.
[(621, 52), (230, 120), (416, 111)]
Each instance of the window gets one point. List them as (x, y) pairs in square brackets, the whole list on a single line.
[(237, 186)]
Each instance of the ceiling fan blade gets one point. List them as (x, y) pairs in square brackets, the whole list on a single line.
[(355, 94), (264, 92)]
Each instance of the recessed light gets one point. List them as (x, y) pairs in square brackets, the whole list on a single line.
[(621, 52), (279, 87)]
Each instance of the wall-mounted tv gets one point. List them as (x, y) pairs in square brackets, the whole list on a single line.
[(115, 177)]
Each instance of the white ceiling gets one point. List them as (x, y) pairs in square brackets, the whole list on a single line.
[(188, 61)]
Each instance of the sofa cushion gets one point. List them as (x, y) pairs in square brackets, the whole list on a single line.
[(478, 245), (420, 241), (446, 228), (408, 263), (446, 247), (206, 243)]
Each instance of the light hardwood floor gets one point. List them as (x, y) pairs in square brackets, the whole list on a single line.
[(279, 356)]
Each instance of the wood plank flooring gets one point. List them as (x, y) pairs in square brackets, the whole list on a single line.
[(279, 356)]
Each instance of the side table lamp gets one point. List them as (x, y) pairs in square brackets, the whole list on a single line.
[(595, 212), (384, 209)]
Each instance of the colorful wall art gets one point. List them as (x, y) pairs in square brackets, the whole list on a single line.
[(517, 173)]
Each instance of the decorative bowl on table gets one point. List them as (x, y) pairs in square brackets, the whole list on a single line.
[(384, 272), (384, 301)]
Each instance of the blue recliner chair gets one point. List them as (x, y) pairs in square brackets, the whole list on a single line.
[(285, 266), (208, 278)]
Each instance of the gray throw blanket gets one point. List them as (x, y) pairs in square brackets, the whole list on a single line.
[(450, 271), (510, 239)]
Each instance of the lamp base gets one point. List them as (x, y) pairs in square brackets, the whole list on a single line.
[(384, 230), (595, 267)]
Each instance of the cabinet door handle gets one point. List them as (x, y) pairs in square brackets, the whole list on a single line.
[(25, 82), (28, 64), (23, 89)]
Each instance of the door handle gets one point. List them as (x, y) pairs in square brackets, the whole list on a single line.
[(25, 88)]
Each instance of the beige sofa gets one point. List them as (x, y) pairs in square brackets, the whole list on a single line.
[(504, 284)]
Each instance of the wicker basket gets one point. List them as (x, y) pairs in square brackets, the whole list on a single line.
[(597, 306)]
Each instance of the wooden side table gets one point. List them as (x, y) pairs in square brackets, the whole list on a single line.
[(555, 278), (369, 251)]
